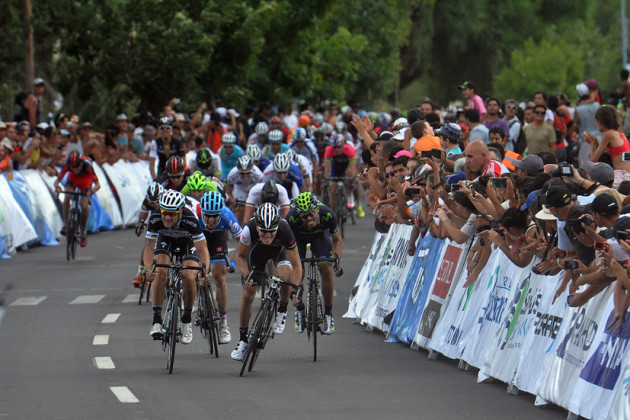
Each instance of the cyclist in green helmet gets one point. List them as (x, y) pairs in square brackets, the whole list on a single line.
[(313, 222), (198, 185)]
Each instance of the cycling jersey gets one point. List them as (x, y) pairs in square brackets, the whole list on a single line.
[(304, 165), (228, 161), (213, 170), (84, 179), (318, 236), (166, 182), (183, 236), (156, 150), (234, 178), (263, 163), (217, 237), (294, 175), (308, 149), (254, 200), (269, 154)]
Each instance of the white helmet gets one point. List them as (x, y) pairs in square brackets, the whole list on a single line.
[(275, 136), (282, 162), (244, 164), (267, 217), (172, 200), (228, 139), (262, 128), (299, 134), (253, 151), (154, 191)]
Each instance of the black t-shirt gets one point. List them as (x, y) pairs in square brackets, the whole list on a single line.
[(188, 225), (284, 237), (177, 148), (327, 221)]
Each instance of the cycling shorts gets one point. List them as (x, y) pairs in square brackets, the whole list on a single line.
[(258, 257), (321, 245), (183, 247), (83, 183), (217, 246), (338, 169)]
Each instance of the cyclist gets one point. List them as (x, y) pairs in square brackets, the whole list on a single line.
[(259, 135), (304, 166), (267, 192), (176, 174), (339, 161), (174, 217), (254, 152), (81, 176), (304, 147), (239, 182), (216, 220), (266, 237), (207, 163), (229, 154), (150, 205), (275, 146), (163, 147), (312, 222), (198, 185), (283, 172)]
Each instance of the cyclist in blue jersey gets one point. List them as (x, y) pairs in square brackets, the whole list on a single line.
[(229, 154), (254, 152), (285, 173), (216, 220)]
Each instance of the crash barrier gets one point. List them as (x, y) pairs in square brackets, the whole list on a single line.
[(31, 211), (506, 323)]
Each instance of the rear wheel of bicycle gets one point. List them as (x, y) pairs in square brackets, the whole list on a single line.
[(313, 314), (172, 332)]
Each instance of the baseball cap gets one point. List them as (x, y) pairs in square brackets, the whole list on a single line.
[(591, 84), (605, 204), (122, 117), (385, 135), (455, 177), (406, 153), (530, 199), (450, 131), (532, 164), (467, 85), (582, 90), (38, 81), (558, 196), (603, 173), (6, 142), (86, 124), (2, 124), (400, 123)]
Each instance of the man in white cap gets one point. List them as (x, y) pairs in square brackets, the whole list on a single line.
[(584, 120)]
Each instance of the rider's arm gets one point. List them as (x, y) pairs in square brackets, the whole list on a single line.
[(202, 247), (337, 243), (294, 259), (240, 257)]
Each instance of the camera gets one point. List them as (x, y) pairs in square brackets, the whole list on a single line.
[(436, 153), (412, 191), (600, 246), (499, 182), (456, 187), (563, 169), (625, 156), (570, 265), (622, 235), (483, 228)]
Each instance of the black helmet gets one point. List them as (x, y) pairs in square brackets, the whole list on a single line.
[(175, 165), (269, 193), (204, 159)]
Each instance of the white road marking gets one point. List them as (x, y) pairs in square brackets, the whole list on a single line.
[(131, 298), (28, 301), (83, 299), (123, 394), (110, 318), (100, 340), (104, 363)]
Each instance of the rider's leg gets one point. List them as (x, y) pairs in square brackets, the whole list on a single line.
[(157, 291), (190, 289), (85, 211), (66, 203), (328, 283), (245, 312), (218, 273), (284, 272)]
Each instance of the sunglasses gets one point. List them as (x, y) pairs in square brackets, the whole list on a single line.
[(211, 216), (511, 106), (539, 112), (245, 173), (307, 215), (227, 146), (388, 174), (281, 173), (266, 231), (165, 127), (39, 85), (171, 213), (175, 176)]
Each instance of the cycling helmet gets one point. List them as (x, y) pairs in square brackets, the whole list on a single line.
[(228, 139), (299, 134), (244, 164), (253, 151), (166, 121), (327, 128), (305, 202), (212, 203), (267, 217), (204, 158), (197, 181), (262, 128), (269, 193), (282, 162), (74, 158), (312, 130), (172, 200), (336, 140), (304, 120), (318, 118), (275, 136), (174, 165), (154, 191), (340, 127)]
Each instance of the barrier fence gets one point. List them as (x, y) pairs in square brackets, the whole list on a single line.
[(505, 324), (31, 211)]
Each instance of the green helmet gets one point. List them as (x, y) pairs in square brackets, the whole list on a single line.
[(305, 202), (197, 181)]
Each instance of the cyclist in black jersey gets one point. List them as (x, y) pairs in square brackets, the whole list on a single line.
[(312, 222), (265, 237), (164, 146), (175, 229), (176, 175), (150, 206)]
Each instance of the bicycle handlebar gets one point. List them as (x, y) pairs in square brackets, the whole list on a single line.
[(182, 267), (275, 279)]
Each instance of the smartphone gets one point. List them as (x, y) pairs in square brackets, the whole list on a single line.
[(483, 228), (499, 182), (456, 187), (436, 153), (625, 156), (425, 154), (571, 265), (412, 191), (622, 235), (600, 246)]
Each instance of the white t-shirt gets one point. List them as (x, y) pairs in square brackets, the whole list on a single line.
[(253, 198)]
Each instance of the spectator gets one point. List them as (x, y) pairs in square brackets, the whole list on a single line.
[(584, 121), (540, 136), (493, 106), (427, 140), (540, 98), (531, 165), (513, 122), (479, 161), (499, 139), (478, 131), (474, 101), (34, 102), (6, 164)]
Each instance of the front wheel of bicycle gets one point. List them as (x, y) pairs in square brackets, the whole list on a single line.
[(172, 332), (253, 340), (71, 235), (313, 314), (266, 333)]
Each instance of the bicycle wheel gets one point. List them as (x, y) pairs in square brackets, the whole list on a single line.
[(341, 209), (172, 331), (77, 232), (313, 313), (201, 309), (253, 338), (211, 322), (266, 333), (70, 234), (143, 286)]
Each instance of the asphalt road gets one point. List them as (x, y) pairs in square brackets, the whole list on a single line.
[(74, 344)]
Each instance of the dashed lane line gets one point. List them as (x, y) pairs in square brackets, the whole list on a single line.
[(85, 299), (104, 363), (124, 395), (100, 340), (28, 301), (110, 318), (131, 298)]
